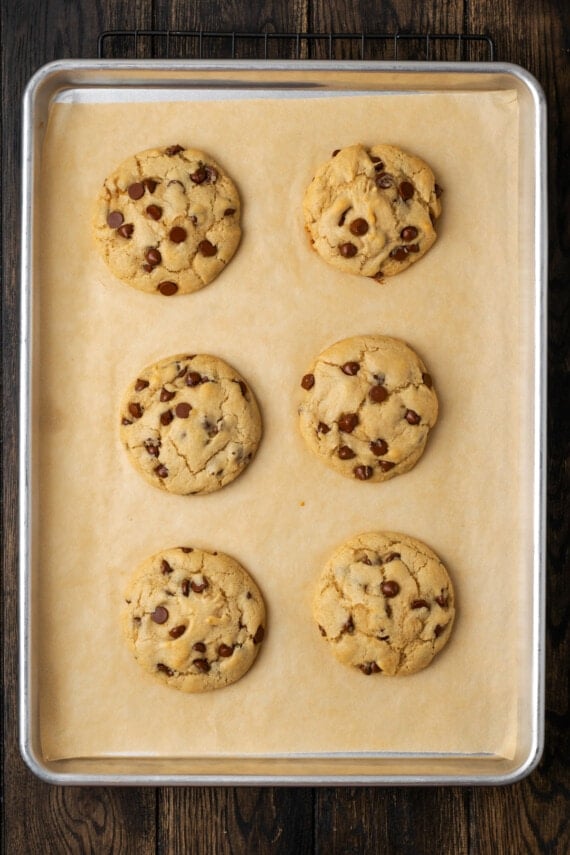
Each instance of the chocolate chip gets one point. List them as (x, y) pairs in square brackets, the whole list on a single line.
[(167, 288), (202, 665), (198, 587), (437, 190), (359, 227), (199, 646), (126, 230), (161, 471), (225, 650), (427, 381), (308, 381), (384, 181), (379, 447), (370, 668), (160, 666), (385, 465), (198, 176), (166, 394), (135, 410), (136, 190), (150, 184), (335, 152), (165, 567), (173, 149), (186, 589), (211, 174), (177, 631), (229, 212), (347, 422), (363, 473), (348, 625), (182, 410), (442, 600), (151, 448), (346, 453), (392, 556), (409, 233), (177, 234), (322, 630), (414, 247), (343, 216), (153, 256), (322, 428), (376, 161), (159, 615), (347, 250), (419, 604), (400, 253), (390, 588), (115, 219), (186, 549), (154, 212), (438, 630), (378, 394), (193, 378), (206, 248), (166, 417), (412, 417), (351, 368), (259, 635), (406, 190), (141, 384), (126, 422)]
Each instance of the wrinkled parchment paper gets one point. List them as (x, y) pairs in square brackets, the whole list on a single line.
[(463, 308)]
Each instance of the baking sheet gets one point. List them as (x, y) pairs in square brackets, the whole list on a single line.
[(466, 309)]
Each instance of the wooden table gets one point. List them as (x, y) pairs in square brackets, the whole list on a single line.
[(528, 817)]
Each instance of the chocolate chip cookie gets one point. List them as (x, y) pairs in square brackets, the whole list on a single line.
[(385, 604), (194, 619), (372, 211), (167, 220), (190, 423), (368, 405)]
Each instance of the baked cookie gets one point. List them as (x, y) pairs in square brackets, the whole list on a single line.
[(368, 407), (385, 604), (190, 423), (167, 220), (193, 619), (371, 211)]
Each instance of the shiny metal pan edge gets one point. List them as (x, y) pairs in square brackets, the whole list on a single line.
[(329, 76)]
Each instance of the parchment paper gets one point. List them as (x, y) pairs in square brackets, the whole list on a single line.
[(275, 307)]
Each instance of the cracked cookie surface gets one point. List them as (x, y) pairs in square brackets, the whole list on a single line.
[(190, 423), (167, 221), (367, 407), (194, 620), (385, 604), (372, 211)]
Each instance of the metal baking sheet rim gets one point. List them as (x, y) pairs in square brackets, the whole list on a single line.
[(279, 76)]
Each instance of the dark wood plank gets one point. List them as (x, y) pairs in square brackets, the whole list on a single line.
[(405, 821), (38, 818), (403, 16), (535, 35), (264, 821)]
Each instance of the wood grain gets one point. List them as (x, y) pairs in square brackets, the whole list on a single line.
[(528, 817), (264, 821)]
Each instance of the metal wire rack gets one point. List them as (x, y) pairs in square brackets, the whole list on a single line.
[(201, 44)]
